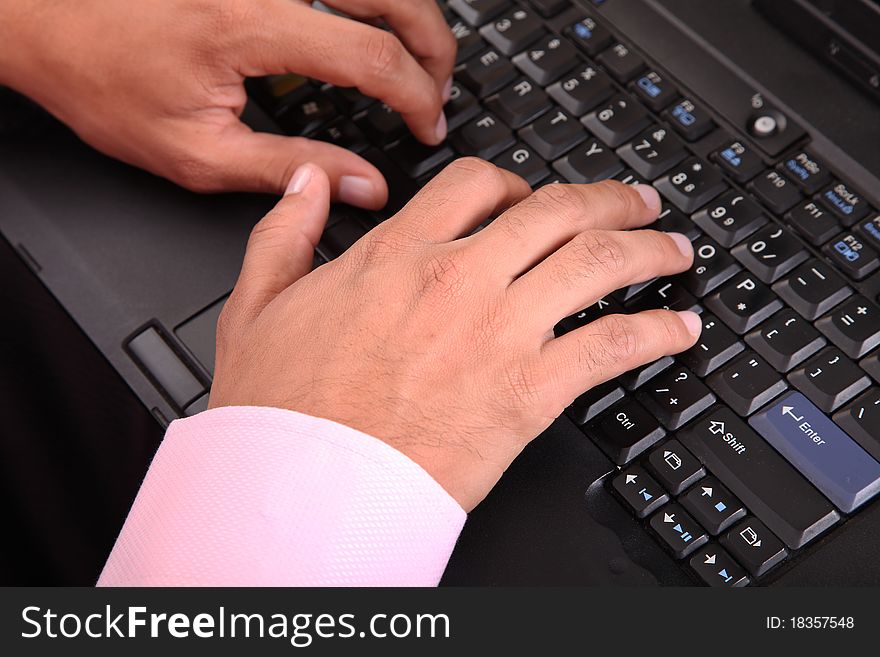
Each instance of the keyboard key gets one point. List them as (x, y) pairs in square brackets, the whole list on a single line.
[(630, 177), (854, 326), (814, 223), (674, 466), (477, 12), (617, 120), (672, 220), (589, 163), (677, 530), (870, 228), (738, 161), (547, 60), (785, 340), (554, 134), (581, 89), (343, 133), (653, 152), (844, 202), (549, 8), (417, 159), (519, 103), (747, 383), (461, 108), (641, 375), (589, 36), (776, 191), (468, 40), (486, 73), (717, 345), (691, 184), (382, 124), (664, 294), (524, 162), (837, 465), (639, 490), (754, 546), (731, 218), (714, 507), (624, 431), (743, 303), (676, 396), (871, 365), (401, 188), (594, 401), (340, 236), (829, 379), (808, 172), (759, 476), (307, 115), (690, 120), (484, 136), (717, 568), (653, 90), (812, 289), (604, 306), (513, 31), (348, 100), (852, 256), (771, 252), (861, 420), (712, 267), (621, 62)]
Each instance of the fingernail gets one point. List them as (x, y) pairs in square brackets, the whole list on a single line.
[(358, 191), (300, 179), (692, 321), (649, 196), (683, 243), (447, 90), (440, 130)]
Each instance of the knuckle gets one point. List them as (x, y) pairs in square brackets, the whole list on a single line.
[(478, 172), (195, 173), (620, 195), (559, 200), (384, 52)]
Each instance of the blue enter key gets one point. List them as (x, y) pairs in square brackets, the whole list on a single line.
[(844, 472)]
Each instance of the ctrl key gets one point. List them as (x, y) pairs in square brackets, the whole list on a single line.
[(639, 490), (678, 531)]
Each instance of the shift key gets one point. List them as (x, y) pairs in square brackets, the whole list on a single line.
[(834, 462), (762, 479)]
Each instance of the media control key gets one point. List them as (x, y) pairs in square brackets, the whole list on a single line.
[(640, 490), (819, 449), (681, 533), (715, 507), (717, 568)]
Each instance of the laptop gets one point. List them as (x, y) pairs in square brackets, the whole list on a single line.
[(751, 459)]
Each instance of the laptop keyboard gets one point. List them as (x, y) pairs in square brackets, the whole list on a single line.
[(765, 435)]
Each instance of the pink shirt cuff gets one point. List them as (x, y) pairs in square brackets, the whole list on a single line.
[(247, 496)]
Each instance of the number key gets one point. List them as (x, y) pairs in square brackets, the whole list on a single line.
[(731, 218), (770, 253), (691, 184)]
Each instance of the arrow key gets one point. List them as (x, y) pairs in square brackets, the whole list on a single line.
[(639, 490), (677, 530), (754, 546), (714, 507), (717, 568)]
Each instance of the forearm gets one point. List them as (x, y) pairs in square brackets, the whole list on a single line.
[(17, 21)]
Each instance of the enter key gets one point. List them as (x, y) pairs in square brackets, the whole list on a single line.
[(828, 457)]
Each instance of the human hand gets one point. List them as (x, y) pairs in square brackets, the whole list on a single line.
[(442, 345), (160, 84)]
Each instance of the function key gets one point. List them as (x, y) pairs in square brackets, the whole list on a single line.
[(691, 184), (467, 38), (730, 218), (861, 420), (714, 507), (589, 36), (547, 60), (813, 222), (624, 431), (829, 379), (743, 302), (524, 162), (870, 228), (738, 161), (621, 62), (639, 490), (477, 12), (754, 546), (674, 466), (813, 289), (519, 103), (848, 205), (581, 89), (854, 326), (771, 252), (691, 121), (717, 568), (513, 31), (654, 90), (777, 191), (617, 121), (808, 172), (678, 531), (653, 152), (486, 73), (851, 255), (549, 8)]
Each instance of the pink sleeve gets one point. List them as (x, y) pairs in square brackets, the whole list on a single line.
[(245, 496)]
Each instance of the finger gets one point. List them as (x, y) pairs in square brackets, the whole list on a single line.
[(420, 26), (539, 225), (594, 264), (243, 160), (616, 344), (461, 197), (286, 37), (281, 247)]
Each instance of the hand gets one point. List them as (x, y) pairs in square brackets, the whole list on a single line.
[(442, 345), (160, 84)]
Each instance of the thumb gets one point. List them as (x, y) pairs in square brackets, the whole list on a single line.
[(281, 247)]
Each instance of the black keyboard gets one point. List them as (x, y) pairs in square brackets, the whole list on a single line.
[(764, 436)]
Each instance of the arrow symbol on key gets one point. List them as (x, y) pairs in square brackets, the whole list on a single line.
[(668, 518), (710, 559), (630, 478), (786, 410), (707, 492)]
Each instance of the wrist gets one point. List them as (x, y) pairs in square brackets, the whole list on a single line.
[(26, 28)]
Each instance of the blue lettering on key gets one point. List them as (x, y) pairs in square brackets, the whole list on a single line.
[(720, 506), (684, 117), (844, 472), (650, 88), (583, 31), (838, 202), (793, 166), (844, 249), (730, 155)]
